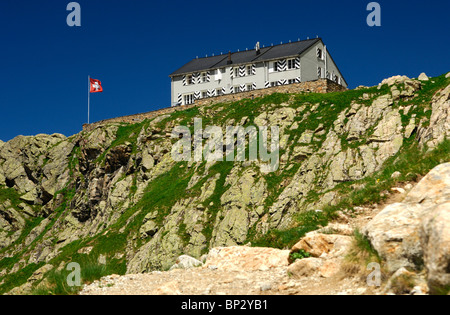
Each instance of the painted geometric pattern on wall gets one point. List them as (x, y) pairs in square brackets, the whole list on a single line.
[(282, 65), (211, 93), (282, 82), (242, 71), (196, 78)]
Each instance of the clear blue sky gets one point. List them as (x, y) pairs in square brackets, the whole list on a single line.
[(132, 46)]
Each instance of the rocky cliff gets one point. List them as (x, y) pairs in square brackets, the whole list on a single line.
[(114, 197)]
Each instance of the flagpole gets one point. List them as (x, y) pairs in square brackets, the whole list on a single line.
[(89, 96)]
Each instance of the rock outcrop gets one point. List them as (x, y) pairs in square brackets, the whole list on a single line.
[(116, 189), (415, 234)]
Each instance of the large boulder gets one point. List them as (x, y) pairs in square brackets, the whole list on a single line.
[(186, 262), (321, 245), (423, 77), (438, 129), (326, 252), (394, 234), (243, 258), (435, 239), (415, 233)]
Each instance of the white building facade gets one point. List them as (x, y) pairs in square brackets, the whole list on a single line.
[(259, 68)]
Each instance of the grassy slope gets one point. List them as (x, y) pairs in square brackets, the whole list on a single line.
[(170, 187)]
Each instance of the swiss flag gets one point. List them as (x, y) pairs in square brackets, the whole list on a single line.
[(96, 86)]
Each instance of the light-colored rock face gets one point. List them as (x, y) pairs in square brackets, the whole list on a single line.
[(186, 262), (439, 128), (247, 258), (415, 233), (435, 240), (120, 181), (395, 236), (325, 252), (423, 77), (323, 245)]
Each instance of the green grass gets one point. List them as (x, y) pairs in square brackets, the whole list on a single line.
[(411, 161), (125, 133), (213, 203), (170, 187), (19, 278), (301, 254), (56, 281), (363, 244), (441, 290)]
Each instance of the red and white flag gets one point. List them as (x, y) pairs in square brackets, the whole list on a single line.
[(96, 86)]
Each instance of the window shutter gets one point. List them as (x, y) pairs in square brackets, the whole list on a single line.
[(242, 71), (282, 65), (297, 63), (319, 53), (184, 81), (253, 69), (208, 76)]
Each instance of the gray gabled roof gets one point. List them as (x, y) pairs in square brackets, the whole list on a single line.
[(244, 57)]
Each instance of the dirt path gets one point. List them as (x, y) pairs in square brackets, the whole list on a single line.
[(204, 281), (220, 280)]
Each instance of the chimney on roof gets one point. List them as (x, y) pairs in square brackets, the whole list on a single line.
[(229, 61), (258, 48)]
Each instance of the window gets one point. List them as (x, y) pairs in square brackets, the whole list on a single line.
[(188, 99), (249, 87), (291, 64), (219, 92), (328, 75), (275, 66), (291, 81), (319, 53), (236, 72), (249, 70), (272, 84), (189, 79), (204, 77), (204, 94), (236, 89)]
